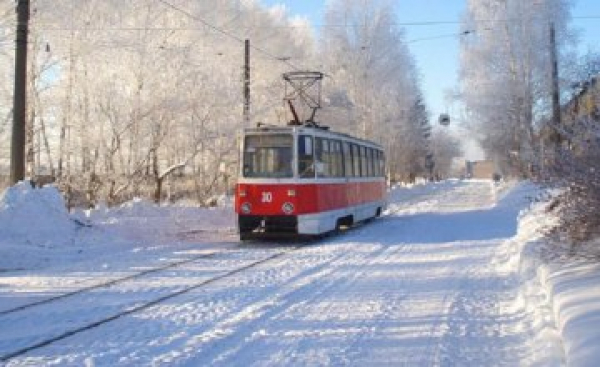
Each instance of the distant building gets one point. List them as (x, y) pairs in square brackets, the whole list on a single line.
[(583, 105), (480, 169), (586, 103)]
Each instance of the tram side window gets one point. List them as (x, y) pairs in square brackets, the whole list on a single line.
[(363, 162), (356, 160), (370, 172), (306, 167), (348, 168), (337, 162), (323, 155), (382, 163), (327, 159), (377, 163), (374, 162)]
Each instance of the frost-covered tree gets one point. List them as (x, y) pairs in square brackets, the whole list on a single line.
[(576, 171), (446, 149), (139, 98), (574, 166), (372, 89), (7, 31), (506, 73), (142, 98)]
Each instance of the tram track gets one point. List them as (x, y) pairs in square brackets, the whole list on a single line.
[(137, 308), (109, 283), (132, 309)]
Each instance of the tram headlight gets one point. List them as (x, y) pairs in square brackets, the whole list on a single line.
[(288, 208), (246, 208)]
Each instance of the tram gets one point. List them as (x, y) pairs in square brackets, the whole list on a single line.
[(306, 180)]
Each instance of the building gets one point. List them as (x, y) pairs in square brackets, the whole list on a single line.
[(485, 170), (583, 106)]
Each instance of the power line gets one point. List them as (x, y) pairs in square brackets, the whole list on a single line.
[(228, 34), (451, 35), (454, 22)]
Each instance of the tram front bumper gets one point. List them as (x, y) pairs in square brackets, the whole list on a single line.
[(257, 225)]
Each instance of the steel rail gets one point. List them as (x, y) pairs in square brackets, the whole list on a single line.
[(143, 306), (109, 283)]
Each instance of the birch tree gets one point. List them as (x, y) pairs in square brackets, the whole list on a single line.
[(374, 85), (7, 32), (138, 92), (506, 74)]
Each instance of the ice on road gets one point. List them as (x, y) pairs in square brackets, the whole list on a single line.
[(427, 284)]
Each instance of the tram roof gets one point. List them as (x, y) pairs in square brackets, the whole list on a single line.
[(306, 129)]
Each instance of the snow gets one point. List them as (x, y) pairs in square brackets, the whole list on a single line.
[(36, 231), (568, 282), (42, 209), (454, 273), (33, 219)]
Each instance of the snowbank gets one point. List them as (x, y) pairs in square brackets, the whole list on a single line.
[(37, 231), (144, 221), (34, 227), (575, 290), (29, 215), (561, 287)]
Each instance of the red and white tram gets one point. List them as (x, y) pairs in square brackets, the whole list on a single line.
[(306, 180)]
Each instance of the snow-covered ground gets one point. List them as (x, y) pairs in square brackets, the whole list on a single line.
[(451, 275), (36, 231)]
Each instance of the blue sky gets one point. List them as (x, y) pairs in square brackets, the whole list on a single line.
[(437, 59)]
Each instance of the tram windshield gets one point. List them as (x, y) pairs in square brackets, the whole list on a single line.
[(268, 156)]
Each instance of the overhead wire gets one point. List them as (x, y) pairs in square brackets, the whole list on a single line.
[(227, 34), (283, 59), (450, 35), (218, 29)]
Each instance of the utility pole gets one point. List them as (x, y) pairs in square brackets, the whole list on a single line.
[(247, 83), (556, 120), (17, 158)]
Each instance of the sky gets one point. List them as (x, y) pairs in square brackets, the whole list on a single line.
[(438, 57)]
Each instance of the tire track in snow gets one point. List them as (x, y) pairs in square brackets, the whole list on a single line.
[(440, 302), (109, 283), (473, 195), (476, 330), (240, 323), (298, 294), (137, 308), (188, 342)]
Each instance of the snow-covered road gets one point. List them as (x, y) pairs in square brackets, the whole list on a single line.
[(427, 284)]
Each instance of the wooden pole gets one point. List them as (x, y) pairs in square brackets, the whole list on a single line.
[(17, 157)]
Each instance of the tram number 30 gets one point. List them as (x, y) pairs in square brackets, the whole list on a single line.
[(267, 197)]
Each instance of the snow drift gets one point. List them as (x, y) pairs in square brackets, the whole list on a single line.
[(37, 231), (35, 216)]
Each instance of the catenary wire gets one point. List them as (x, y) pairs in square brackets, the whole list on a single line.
[(226, 33), (239, 39)]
